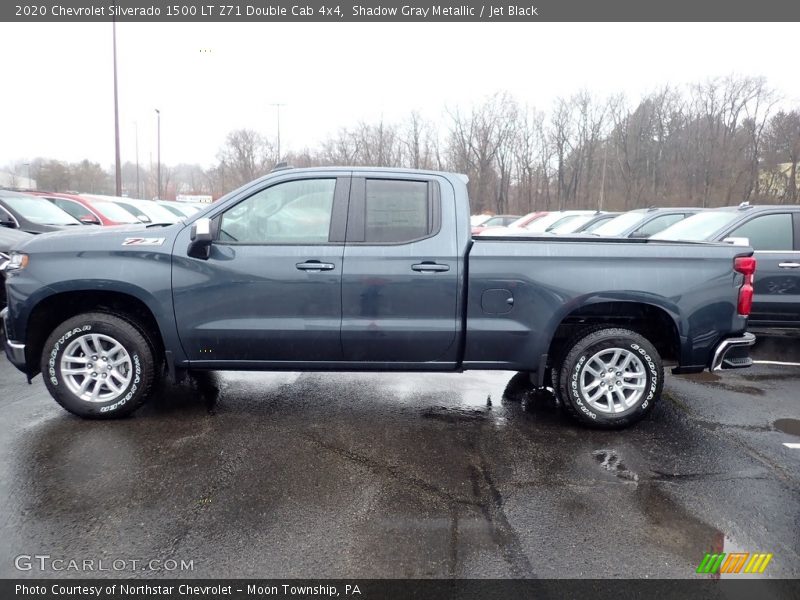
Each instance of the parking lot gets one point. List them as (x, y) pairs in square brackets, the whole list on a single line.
[(405, 475)]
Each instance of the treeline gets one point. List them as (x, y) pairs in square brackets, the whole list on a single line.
[(719, 142)]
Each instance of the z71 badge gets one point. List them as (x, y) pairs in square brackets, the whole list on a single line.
[(140, 241)]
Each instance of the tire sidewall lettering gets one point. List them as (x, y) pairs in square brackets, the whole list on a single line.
[(56, 349), (653, 377)]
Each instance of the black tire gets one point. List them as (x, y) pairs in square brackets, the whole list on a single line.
[(576, 370), (140, 370)]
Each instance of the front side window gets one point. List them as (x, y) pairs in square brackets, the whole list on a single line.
[(397, 211), (768, 232), (293, 212)]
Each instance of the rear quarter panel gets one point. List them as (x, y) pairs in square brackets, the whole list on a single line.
[(695, 284)]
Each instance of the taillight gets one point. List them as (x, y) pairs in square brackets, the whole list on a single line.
[(746, 265)]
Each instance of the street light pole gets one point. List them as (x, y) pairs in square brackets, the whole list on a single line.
[(278, 108), (158, 154), (117, 166), (136, 129)]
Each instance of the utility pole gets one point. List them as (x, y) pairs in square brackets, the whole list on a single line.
[(136, 129), (158, 154), (118, 167), (603, 181), (278, 108)]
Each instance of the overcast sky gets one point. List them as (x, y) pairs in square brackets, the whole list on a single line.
[(208, 79)]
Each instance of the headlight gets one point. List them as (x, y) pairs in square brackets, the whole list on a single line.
[(16, 262)]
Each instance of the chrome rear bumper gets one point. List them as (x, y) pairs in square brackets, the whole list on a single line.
[(733, 353)]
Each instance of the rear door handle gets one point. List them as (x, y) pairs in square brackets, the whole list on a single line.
[(789, 265), (315, 265), (430, 267)]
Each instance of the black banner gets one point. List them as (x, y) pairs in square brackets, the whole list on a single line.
[(398, 589), (388, 10)]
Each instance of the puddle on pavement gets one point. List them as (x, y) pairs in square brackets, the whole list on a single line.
[(454, 414), (714, 380), (611, 462), (703, 377), (790, 426), (673, 527)]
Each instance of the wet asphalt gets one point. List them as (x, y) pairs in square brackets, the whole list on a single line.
[(404, 475)]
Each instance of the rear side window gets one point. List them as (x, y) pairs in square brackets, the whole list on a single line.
[(397, 211), (768, 232)]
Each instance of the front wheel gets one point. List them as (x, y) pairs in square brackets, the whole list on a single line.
[(611, 378), (98, 366)]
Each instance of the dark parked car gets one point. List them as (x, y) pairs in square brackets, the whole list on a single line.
[(9, 239), (642, 223), (774, 233), (32, 214), (373, 270)]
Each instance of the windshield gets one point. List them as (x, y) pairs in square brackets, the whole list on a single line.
[(153, 212), (570, 224), (524, 220), (562, 222), (598, 223), (697, 228), (114, 212), (494, 222), (40, 210), (182, 210), (542, 223), (619, 224)]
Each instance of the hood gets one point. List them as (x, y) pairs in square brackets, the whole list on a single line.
[(88, 238), (11, 238)]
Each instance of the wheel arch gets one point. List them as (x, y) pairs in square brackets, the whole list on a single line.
[(50, 311), (653, 317)]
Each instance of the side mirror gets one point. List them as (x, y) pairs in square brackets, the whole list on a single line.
[(639, 235), (201, 236), (89, 220), (737, 241)]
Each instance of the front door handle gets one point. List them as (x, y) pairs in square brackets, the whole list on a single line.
[(789, 265), (315, 265), (430, 267)]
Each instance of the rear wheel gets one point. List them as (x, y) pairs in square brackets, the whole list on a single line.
[(610, 378), (98, 366)]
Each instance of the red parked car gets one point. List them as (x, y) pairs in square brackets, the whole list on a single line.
[(496, 221), (507, 221), (90, 211)]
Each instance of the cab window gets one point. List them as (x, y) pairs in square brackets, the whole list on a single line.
[(293, 212)]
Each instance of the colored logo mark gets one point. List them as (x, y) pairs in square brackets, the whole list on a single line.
[(734, 562)]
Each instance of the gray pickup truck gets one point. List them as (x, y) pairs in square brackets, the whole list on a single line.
[(369, 270)]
